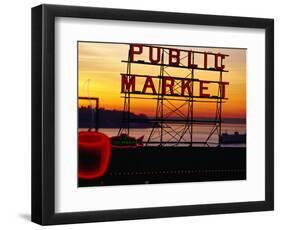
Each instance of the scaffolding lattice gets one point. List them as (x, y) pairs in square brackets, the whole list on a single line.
[(173, 123)]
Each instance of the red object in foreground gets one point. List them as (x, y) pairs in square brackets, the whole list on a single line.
[(94, 154)]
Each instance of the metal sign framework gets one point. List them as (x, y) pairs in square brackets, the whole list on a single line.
[(168, 112), (96, 100)]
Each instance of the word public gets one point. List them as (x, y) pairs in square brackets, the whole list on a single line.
[(177, 57)]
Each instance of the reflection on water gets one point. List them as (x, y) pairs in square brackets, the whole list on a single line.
[(200, 133)]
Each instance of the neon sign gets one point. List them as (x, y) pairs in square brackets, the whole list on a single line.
[(172, 85)]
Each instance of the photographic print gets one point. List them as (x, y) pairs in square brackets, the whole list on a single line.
[(155, 105), (150, 113)]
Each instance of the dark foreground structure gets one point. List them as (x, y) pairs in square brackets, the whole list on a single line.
[(151, 165)]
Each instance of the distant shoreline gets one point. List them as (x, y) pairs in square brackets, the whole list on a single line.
[(228, 123), (115, 119)]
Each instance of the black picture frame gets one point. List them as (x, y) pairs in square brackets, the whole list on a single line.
[(43, 110)]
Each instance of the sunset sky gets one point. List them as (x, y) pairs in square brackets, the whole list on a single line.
[(99, 68)]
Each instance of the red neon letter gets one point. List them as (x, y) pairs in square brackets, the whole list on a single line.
[(222, 85), (217, 67), (157, 60), (205, 60), (133, 51), (185, 84), (125, 86), (170, 85), (174, 57), (149, 84), (202, 87), (190, 60)]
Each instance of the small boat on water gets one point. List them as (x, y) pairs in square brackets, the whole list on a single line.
[(125, 141), (235, 138)]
